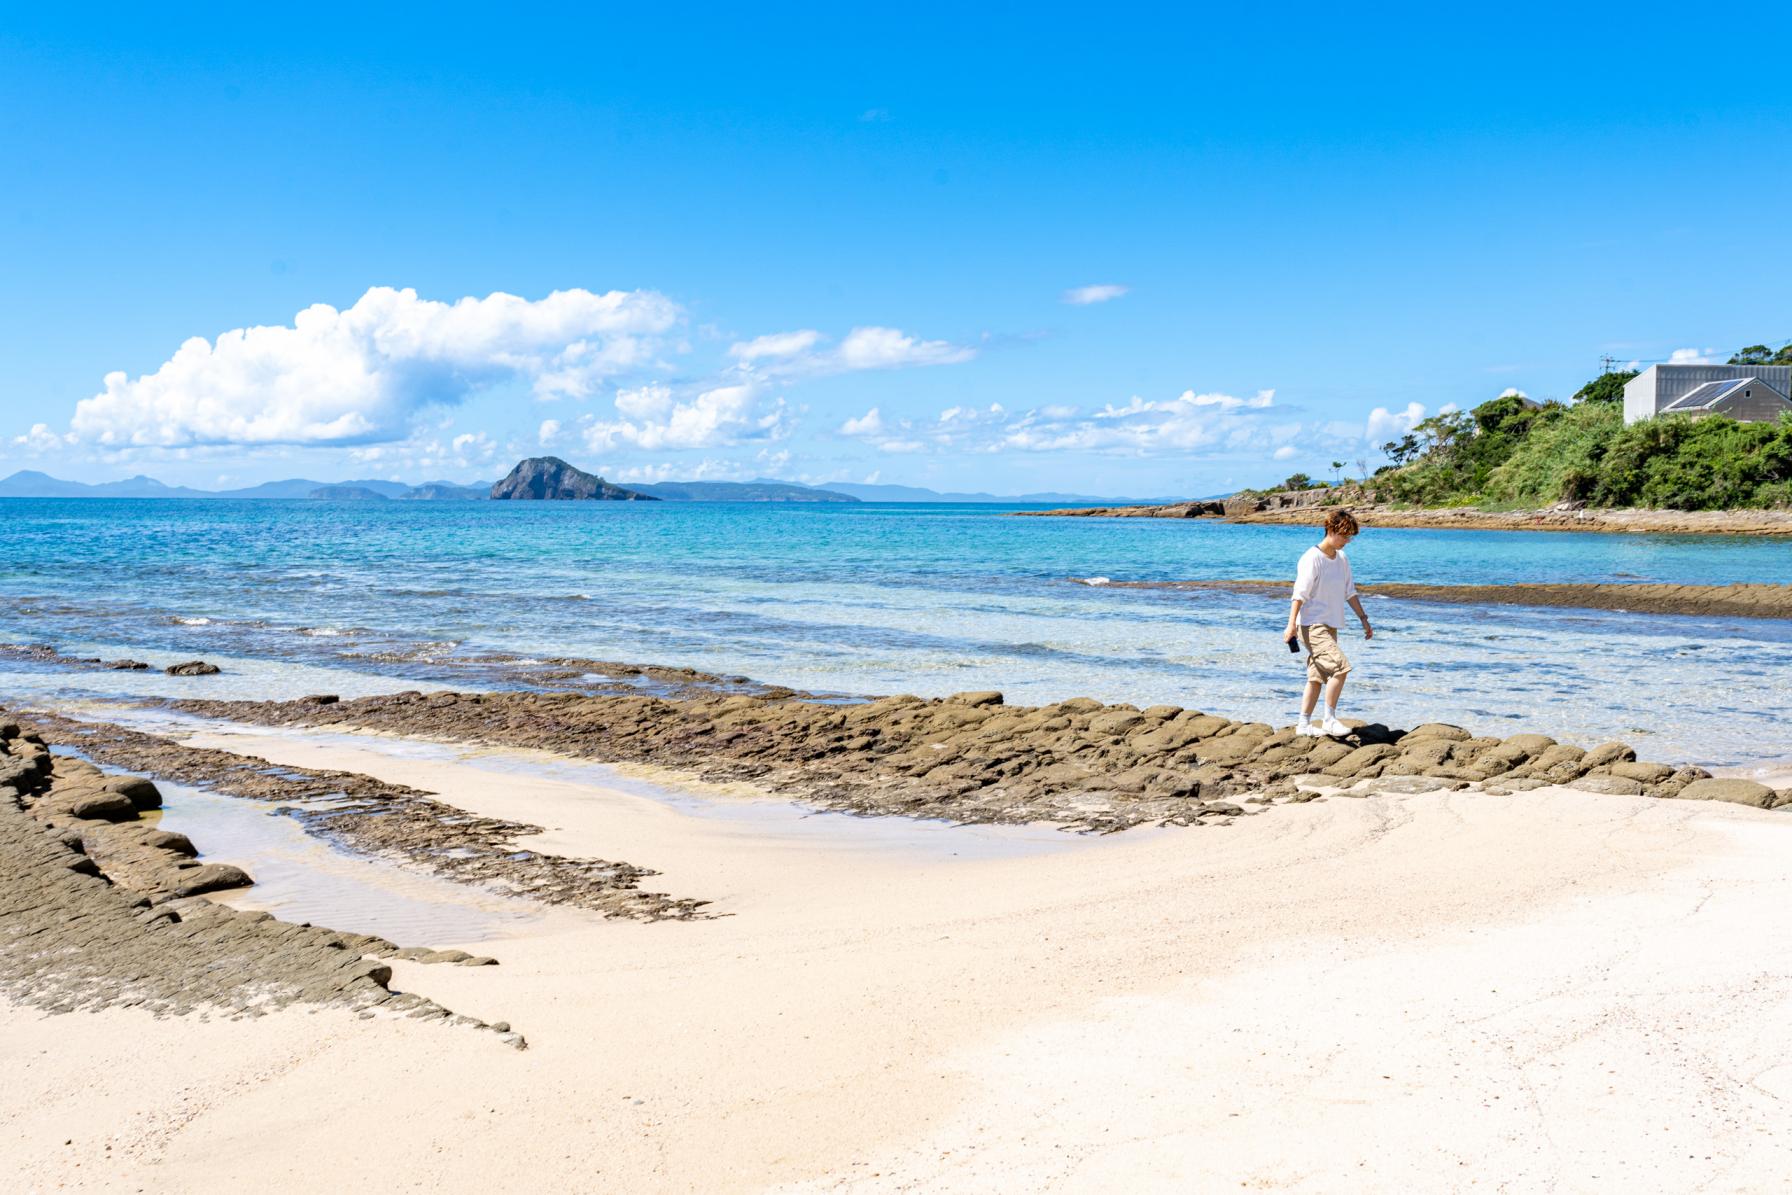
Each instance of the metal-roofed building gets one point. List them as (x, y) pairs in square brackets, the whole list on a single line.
[(1745, 392)]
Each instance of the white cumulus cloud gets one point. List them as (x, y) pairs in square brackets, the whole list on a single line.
[(1188, 423), (807, 353), (890, 348), (652, 418), (1692, 357), (777, 344), (1387, 425), (871, 423), (1083, 296), (360, 375), (39, 439)]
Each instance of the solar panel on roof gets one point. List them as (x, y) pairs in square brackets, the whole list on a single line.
[(1702, 396)]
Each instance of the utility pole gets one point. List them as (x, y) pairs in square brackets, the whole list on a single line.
[(1606, 363)]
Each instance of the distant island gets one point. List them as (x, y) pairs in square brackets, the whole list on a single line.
[(548, 478), (739, 491), (347, 493)]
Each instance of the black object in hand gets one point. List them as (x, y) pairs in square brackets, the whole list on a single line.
[(1294, 644)]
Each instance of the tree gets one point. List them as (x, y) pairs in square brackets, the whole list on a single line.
[(1607, 387), (1362, 468), (1337, 472), (1401, 451), (1298, 481), (1760, 354)]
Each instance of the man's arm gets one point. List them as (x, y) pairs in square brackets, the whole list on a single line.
[(1293, 621), (1356, 604)]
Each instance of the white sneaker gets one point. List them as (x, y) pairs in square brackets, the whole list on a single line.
[(1309, 729), (1334, 728)]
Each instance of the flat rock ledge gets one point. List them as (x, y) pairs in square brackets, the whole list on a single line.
[(373, 817), (1749, 600), (972, 758), (98, 909)]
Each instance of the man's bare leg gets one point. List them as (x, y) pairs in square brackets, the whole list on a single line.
[(1309, 700)]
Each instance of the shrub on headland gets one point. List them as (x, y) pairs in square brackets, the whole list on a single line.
[(1511, 452)]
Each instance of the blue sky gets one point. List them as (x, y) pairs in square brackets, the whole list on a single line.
[(1304, 216)]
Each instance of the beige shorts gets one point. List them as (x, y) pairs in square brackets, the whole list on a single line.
[(1325, 659)]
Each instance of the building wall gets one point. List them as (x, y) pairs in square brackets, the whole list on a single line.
[(1639, 396), (1757, 402), (1659, 385)]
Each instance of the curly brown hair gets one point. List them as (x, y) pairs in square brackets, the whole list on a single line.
[(1341, 522)]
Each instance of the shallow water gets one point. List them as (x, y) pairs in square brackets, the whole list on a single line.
[(298, 597), (786, 822), (300, 877)]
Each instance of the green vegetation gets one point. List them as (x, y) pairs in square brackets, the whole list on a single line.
[(1511, 452), (1607, 387), (1760, 354), (1298, 481)]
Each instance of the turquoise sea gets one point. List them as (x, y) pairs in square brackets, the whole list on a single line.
[(300, 597)]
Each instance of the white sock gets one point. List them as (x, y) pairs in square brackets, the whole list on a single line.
[(1331, 713), (1306, 719)]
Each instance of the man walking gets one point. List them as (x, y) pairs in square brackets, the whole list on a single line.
[(1322, 588)]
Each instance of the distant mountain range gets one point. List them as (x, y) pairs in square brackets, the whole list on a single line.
[(32, 484)]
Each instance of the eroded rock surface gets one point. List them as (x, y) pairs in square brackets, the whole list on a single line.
[(371, 816), (971, 758), (98, 909), (1742, 600)]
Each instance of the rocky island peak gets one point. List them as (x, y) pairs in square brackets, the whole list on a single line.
[(549, 477)]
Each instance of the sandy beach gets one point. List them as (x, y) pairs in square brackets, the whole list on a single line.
[(1548, 989)]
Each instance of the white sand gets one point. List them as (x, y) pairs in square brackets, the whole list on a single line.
[(1545, 991)]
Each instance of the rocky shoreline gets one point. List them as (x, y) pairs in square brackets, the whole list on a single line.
[(376, 818), (1732, 601), (1565, 517), (99, 909), (971, 758)]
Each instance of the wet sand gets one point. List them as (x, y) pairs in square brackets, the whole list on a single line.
[(1395, 992)]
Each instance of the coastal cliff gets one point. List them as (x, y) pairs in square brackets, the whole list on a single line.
[(549, 477)]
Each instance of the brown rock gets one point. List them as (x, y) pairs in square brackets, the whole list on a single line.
[(1117, 723), (172, 841), (976, 698), (1359, 759), (1648, 773), (1611, 785), (1227, 749), (211, 877), (1741, 792), (141, 793), (1609, 753), (192, 668), (105, 807), (1435, 730)]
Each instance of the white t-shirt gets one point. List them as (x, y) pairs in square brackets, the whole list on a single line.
[(1323, 584)]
